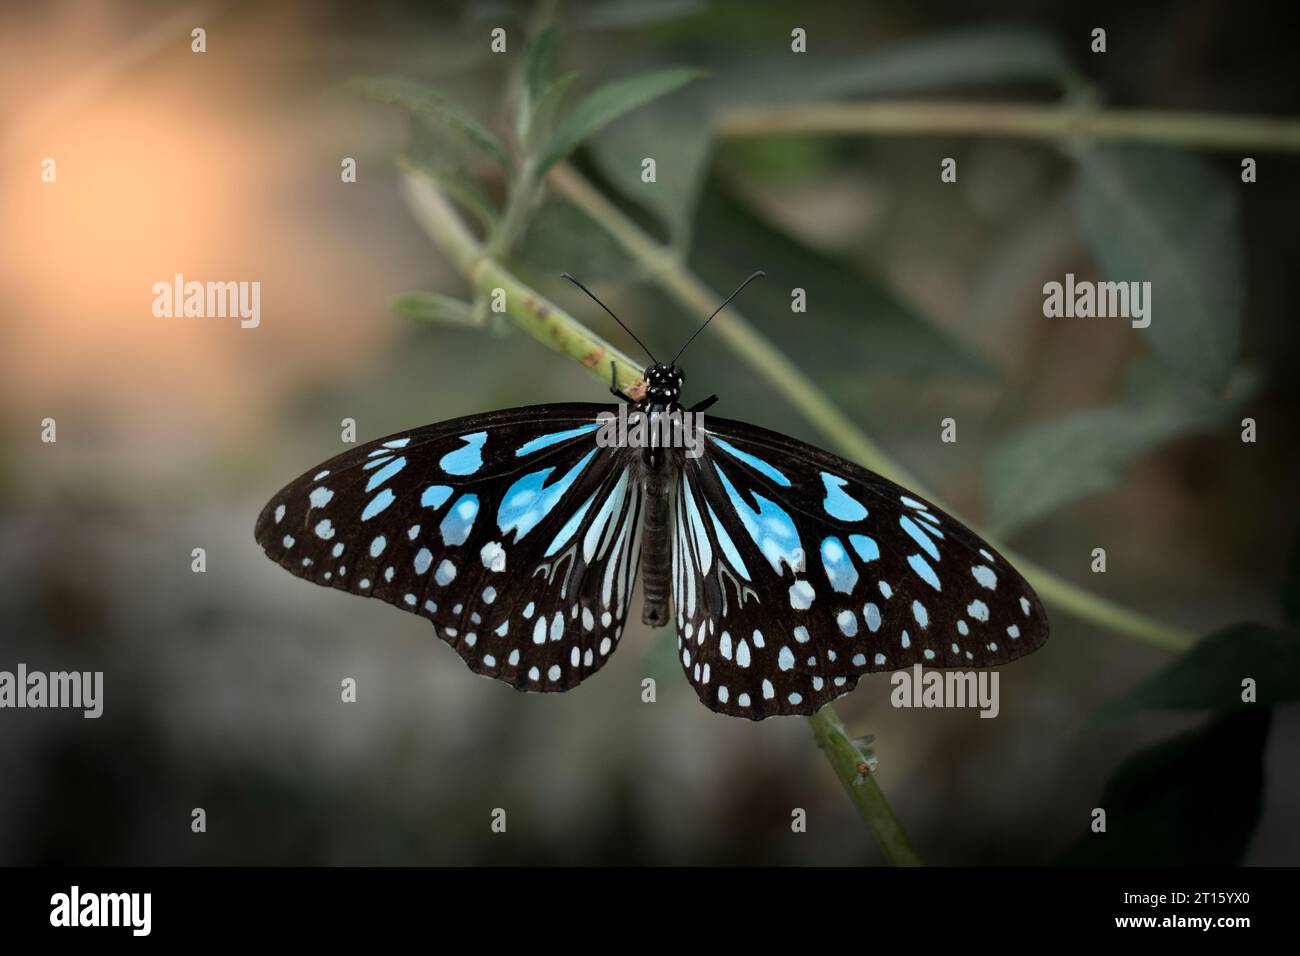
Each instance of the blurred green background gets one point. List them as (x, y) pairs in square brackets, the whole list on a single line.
[(925, 302)]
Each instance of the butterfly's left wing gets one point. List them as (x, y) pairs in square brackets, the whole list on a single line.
[(513, 532), (795, 572)]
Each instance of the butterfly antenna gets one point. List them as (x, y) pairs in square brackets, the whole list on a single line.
[(611, 314), (752, 277)]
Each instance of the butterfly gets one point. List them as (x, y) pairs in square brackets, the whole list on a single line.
[(788, 572)]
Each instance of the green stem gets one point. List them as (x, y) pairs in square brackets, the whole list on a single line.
[(850, 766), (524, 306), (911, 118), (798, 389)]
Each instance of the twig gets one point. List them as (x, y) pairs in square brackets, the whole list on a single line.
[(915, 117), (850, 766)]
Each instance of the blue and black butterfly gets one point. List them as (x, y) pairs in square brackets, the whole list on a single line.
[(789, 571)]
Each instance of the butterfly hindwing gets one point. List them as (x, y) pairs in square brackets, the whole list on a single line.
[(795, 572), (513, 532)]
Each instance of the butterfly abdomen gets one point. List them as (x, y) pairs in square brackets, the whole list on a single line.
[(656, 560)]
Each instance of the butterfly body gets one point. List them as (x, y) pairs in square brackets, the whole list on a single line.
[(788, 571)]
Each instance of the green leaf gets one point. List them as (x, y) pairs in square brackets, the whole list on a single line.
[(447, 159), (424, 101), (535, 78), (678, 132), (1194, 799), (563, 238), (1209, 676), (1166, 217), (543, 120), (609, 103), (434, 307), (1051, 464), (956, 61), (856, 327)]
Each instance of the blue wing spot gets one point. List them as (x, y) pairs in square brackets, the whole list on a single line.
[(801, 595), (528, 500), (978, 610), (758, 464), (467, 459), (446, 573), (848, 622), (785, 659), (397, 443), (923, 570), (839, 568), (459, 520), (570, 528), (383, 474), (545, 441), (838, 504), (885, 590), (435, 496), (770, 527), (423, 559), (985, 576), (728, 546), (921, 614), (375, 463), (919, 536), (872, 614), (320, 497), (911, 502), (377, 504), (866, 548)]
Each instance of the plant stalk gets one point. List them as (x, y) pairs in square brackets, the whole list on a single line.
[(1213, 131)]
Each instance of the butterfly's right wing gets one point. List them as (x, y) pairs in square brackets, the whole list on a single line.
[(514, 532)]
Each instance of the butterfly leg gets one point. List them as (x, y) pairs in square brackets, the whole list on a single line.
[(613, 385), (701, 406)]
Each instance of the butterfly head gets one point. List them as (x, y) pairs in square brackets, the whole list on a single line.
[(663, 383)]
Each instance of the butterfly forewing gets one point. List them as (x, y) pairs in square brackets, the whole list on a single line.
[(513, 532), (795, 572)]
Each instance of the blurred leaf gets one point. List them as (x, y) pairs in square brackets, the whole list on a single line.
[(562, 238), (1194, 799), (443, 163), (855, 326), (434, 307), (625, 14), (957, 61), (424, 101), (1209, 676), (679, 132), (1165, 216), (1051, 464), (609, 102), (544, 115), (535, 78)]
